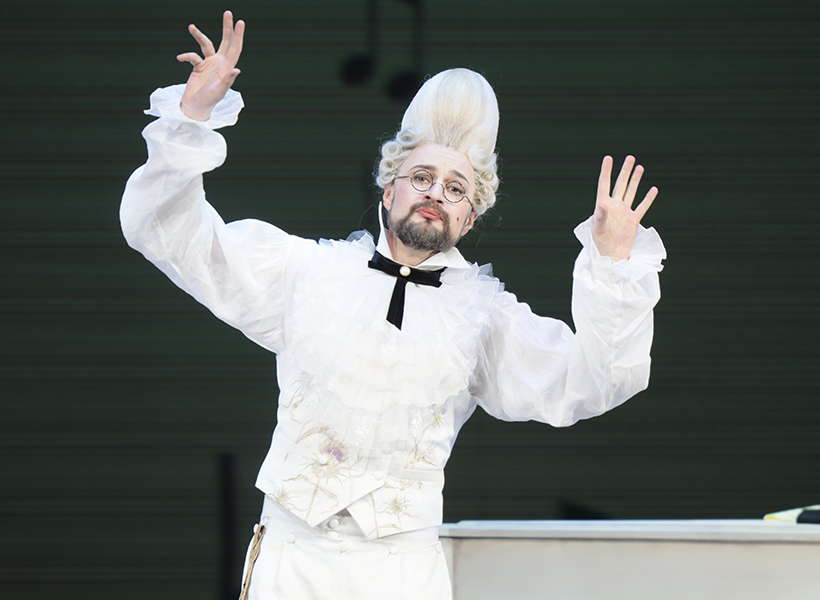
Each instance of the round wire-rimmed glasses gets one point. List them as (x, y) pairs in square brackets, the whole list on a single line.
[(421, 180)]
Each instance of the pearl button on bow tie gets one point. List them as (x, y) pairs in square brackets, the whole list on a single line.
[(403, 274)]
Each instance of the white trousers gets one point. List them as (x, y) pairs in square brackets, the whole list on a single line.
[(335, 561)]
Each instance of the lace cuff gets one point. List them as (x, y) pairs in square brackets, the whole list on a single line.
[(165, 103), (645, 258)]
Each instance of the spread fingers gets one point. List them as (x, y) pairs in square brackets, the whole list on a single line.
[(203, 41)]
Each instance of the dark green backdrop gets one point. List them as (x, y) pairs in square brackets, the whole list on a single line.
[(119, 393)]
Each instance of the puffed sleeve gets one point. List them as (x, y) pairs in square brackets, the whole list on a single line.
[(536, 368), (236, 270)]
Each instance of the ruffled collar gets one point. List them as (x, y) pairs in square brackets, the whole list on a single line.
[(449, 258)]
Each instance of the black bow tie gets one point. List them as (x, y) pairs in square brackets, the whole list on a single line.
[(403, 274)]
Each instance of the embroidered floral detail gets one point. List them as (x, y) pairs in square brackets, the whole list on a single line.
[(312, 431), (300, 388), (326, 464), (427, 454), (335, 450), (397, 507), (283, 498), (437, 420), (375, 516), (422, 456), (329, 463)]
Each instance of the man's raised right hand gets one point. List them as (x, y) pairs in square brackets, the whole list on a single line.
[(214, 74)]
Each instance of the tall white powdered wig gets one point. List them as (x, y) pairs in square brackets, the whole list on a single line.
[(456, 108)]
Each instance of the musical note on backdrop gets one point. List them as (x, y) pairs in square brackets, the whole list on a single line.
[(361, 68)]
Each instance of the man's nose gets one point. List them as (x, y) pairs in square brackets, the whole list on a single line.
[(436, 192)]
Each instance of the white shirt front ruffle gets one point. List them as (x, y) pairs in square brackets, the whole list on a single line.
[(372, 383)]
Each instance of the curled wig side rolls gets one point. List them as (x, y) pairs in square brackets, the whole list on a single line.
[(457, 109)]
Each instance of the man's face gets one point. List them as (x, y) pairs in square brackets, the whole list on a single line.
[(425, 221)]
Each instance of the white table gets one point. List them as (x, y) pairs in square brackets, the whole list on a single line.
[(633, 560)]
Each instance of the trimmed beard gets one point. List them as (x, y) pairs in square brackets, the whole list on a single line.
[(424, 236)]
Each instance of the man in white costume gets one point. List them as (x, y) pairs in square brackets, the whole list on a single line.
[(384, 351)]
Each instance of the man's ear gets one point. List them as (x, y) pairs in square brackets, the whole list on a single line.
[(468, 224), (387, 197)]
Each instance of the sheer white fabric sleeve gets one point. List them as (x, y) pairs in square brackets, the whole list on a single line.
[(536, 368), (236, 270)]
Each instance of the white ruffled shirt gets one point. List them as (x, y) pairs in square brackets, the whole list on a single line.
[(368, 413)]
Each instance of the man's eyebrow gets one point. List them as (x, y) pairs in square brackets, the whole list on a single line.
[(434, 169)]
